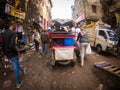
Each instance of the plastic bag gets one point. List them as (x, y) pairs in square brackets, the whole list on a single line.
[(88, 49)]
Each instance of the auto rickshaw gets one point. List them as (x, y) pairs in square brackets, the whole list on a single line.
[(63, 48)]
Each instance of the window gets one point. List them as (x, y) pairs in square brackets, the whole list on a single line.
[(94, 9), (102, 33), (111, 33)]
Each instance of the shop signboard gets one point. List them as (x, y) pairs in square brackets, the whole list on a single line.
[(14, 12), (20, 14), (80, 18), (9, 10)]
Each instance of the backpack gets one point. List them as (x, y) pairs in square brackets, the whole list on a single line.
[(44, 37)]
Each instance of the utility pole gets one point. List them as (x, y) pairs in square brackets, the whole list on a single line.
[(26, 18), (84, 1)]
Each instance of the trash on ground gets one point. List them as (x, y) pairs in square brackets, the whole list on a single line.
[(7, 83)]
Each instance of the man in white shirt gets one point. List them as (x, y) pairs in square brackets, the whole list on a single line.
[(36, 37)]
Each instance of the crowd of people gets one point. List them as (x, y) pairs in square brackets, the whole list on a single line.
[(12, 42)]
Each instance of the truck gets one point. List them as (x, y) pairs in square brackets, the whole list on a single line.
[(101, 37)]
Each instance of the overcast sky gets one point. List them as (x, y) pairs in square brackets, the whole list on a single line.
[(62, 9)]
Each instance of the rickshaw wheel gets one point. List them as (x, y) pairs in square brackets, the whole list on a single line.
[(64, 62), (72, 63)]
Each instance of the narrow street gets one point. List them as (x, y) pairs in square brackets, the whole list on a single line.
[(40, 75), (63, 26)]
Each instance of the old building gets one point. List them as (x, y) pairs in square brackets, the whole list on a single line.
[(39, 12), (27, 11), (111, 9), (11, 10), (86, 11)]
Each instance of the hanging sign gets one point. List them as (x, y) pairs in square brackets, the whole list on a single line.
[(80, 18), (9, 10), (14, 12)]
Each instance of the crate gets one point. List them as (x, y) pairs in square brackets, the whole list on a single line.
[(108, 67)]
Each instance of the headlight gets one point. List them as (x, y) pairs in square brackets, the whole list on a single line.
[(111, 44)]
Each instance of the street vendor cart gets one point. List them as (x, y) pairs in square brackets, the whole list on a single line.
[(63, 48)]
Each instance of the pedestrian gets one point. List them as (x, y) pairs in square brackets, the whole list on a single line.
[(77, 30), (36, 37), (44, 40), (10, 51), (84, 42), (20, 43)]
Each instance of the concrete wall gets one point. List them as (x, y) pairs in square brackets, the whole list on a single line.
[(83, 9), (90, 14), (115, 6), (78, 10)]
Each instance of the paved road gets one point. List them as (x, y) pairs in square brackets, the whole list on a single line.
[(40, 76)]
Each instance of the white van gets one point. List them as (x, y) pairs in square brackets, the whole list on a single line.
[(102, 38)]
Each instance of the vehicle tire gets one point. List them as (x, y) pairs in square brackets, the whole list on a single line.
[(64, 62), (72, 63), (98, 49)]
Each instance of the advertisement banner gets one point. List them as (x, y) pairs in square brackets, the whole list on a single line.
[(14, 12), (80, 18), (9, 10), (20, 14)]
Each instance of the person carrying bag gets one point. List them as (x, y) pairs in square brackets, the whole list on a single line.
[(84, 42)]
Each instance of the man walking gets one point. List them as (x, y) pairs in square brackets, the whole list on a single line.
[(36, 37), (84, 42), (10, 51), (44, 40)]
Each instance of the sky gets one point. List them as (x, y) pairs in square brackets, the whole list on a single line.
[(62, 9)]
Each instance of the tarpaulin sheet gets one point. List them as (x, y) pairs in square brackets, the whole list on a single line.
[(64, 53)]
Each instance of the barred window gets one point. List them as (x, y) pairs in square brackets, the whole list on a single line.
[(94, 9)]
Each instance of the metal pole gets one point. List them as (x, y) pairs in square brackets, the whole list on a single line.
[(26, 17), (84, 9)]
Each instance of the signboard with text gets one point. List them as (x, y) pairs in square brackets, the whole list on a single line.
[(80, 18), (14, 12)]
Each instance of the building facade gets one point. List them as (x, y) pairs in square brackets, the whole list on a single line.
[(40, 13), (111, 9), (86, 11), (11, 10)]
